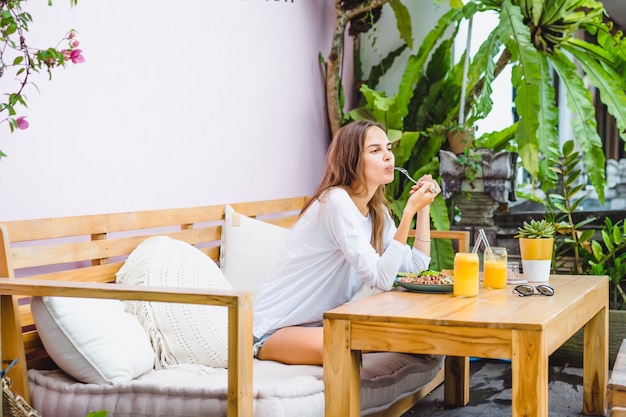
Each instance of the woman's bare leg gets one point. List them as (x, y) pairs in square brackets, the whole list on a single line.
[(294, 346)]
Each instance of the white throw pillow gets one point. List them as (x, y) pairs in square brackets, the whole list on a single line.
[(250, 249), (92, 340), (180, 334)]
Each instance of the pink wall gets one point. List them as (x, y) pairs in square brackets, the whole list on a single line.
[(178, 104)]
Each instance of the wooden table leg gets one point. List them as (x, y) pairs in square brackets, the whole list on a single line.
[(595, 364), (456, 382), (529, 368), (342, 370)]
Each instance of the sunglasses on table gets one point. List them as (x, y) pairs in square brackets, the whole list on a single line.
[(525, 290)]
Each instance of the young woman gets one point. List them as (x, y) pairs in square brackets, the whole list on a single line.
[(345, 238)]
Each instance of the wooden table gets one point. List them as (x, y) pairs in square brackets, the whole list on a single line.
[(496, 324)]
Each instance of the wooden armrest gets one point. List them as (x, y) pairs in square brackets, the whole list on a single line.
[(35, 287), (463, 236), (239, 306)]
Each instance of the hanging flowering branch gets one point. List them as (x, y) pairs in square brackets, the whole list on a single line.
[(18, 61)]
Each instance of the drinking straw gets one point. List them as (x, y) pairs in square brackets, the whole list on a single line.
[(482, 233), (477, 243)]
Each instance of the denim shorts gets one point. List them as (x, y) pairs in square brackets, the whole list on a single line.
[(258, 342)]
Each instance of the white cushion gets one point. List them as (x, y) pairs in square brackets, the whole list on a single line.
[(93, 340), (250, 248), (279, 390), (179, 333)]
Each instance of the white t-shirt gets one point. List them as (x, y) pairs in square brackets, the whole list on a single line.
[(327, 258)]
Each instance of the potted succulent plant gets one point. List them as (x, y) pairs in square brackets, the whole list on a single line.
[(536, 240)]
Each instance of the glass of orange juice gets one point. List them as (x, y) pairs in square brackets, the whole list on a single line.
[(465, 274), (495, 268)]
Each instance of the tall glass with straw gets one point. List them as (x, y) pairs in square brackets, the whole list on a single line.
[(495, 268), (466, 273), (495, 263)]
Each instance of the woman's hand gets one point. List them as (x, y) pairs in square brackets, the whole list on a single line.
[(430, 183), (422, 195)]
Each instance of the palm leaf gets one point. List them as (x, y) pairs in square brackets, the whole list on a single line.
[(595, 52), (382, 108), (584, 13), (379, 70), (499, 140), (439, 64), (548, 117), (438, 206), (441, 250), (402, 149), (552, 13), (403, 20), (608, 82), (416, 117), (614, 44), (536, 11), (583, 119), (435, 95), (483, 65), (416, 62), (527, 78)]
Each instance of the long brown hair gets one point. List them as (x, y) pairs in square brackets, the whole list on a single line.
[(344, 168)]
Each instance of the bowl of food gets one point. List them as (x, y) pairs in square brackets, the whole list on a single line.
[(426, 281)]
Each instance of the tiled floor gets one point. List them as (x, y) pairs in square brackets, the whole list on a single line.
[(490, 393)]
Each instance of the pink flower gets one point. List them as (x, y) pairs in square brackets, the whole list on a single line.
[(22, 123), (76, 56), (75, 44)]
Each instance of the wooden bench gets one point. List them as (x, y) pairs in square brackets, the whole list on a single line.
[(79, 257), (617, 384)]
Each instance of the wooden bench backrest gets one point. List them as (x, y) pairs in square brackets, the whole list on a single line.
[(92, 248)]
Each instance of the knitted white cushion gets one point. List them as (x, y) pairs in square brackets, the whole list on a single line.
[(180, 333)]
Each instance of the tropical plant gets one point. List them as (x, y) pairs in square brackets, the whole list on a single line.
[(578, 247), (415, 117), (360, 15), (561, 204), (608, 257), (19, 61), (541, 41), (412, 148)]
